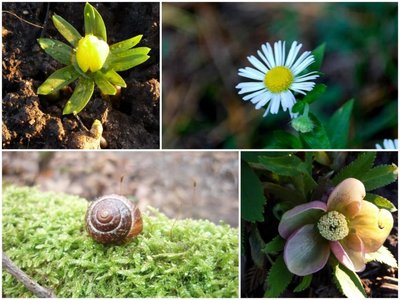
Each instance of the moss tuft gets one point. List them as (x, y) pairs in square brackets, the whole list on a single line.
[(43, 233)]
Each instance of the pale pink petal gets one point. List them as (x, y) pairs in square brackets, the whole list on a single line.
[(306, 252), (300, 215), (348, 191), (341, 255), (354, 248)]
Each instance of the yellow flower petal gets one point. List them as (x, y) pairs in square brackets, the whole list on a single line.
[(346, 197), (372, 225), (91, 53)]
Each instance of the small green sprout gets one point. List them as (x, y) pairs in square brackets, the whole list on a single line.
[(90, 59)]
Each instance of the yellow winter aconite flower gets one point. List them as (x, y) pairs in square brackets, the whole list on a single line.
[(91, 53)]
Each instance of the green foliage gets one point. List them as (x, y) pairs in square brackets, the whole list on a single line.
[(380, 201), (251, 195), (311, 96), (317, 138), (278, 278), (121, 57), (274, 246), (256, 246), (338, 126), (304, 284), (379, 176), (347, 281), (284, 140), (383, 255), (285, 165), (318, 53), (43, 233), (356, 168)]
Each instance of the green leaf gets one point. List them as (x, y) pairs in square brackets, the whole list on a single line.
[(379, 176), (319, 56), (338, 126), (284, 140), (126, 62), (94, 23), (286, 165), (311, 96), (381, 202), (274, 246), (114, 78), (304, 284), (252, 195), (317, 138), (356, 168), (282, 193), (104, 85), (126, 44), (57, 50), (131, 52), (81, 96), (256, 246), (383, 255), (67, 30), (348, 282), (278, 279), (58, 80)]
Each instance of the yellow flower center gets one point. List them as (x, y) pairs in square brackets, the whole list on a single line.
[(333, 226), (91, 53), (278, 79)]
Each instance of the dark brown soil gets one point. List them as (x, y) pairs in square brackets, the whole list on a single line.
[(130, 120)]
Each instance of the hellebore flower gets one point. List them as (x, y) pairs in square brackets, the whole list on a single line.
[(346, 225)]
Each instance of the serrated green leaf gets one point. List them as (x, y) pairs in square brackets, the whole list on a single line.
[(381, 202), (383, 255), (94, 23), (114, 78), (57, 50), (67, 30), (274, 246), (284, 140), (317, 138), (304, 284), (126, 44), (379, 176), (311, 96), (356, 168), (348, 282), (252, 195), (126, 62), (58, 80), (81, 96), (285, 165), (104, 85), (339, 124), (278, 279), (256, 246)]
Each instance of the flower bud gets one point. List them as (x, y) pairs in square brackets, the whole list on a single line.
[(303, 124), (91, 53)]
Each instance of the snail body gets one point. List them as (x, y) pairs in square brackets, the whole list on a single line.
[(113, 219)]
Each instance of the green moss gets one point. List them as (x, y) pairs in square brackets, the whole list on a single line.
[(43, 233)]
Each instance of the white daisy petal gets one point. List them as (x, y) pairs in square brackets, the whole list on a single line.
[(264, 59), (264, 100), (258, 98), (251, 73), (252, 95), (278, 53), (306, 78), (283, 53), (294, 50), (267, 110), (258, 64), (267, 49), (275, 102), (299, 60), (250, 85), (308, 61)]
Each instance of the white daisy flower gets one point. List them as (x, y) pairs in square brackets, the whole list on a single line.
[(277, 77), (388, 144)]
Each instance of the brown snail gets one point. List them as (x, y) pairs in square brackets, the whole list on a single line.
[(113, 219)]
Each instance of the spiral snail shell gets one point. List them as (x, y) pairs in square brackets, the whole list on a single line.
[(113, 219)]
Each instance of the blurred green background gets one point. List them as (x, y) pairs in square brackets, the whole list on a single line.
[(204, 45)]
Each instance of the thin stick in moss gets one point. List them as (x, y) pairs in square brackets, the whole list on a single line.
[(22, 277)]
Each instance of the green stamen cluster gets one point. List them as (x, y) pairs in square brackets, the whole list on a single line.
[(333, 226)]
